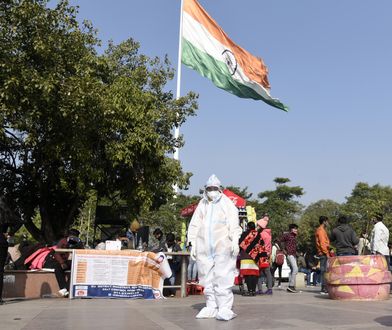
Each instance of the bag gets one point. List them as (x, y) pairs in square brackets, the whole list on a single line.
[(279, 258), (263, 263)]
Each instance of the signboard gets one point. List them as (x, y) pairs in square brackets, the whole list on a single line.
[(113, 245), (118, 274)]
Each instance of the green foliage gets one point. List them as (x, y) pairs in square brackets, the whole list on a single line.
[(24, 234), (167, 217), (280, 204), (365, 201), (310, 221), (85, 220), (72, 121)]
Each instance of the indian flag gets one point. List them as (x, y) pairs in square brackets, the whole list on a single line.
[(207, 49)]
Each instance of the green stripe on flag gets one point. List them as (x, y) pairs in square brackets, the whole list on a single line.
[(219, 74)]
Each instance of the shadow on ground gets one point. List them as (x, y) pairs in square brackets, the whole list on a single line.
[(384, 320)]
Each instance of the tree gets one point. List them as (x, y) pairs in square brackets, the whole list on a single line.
[(168, 217), (85, 220), (72, 121), (281, 205), (365, 201), (310, 221)]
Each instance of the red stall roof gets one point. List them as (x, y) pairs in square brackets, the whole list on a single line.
[(237, 200)]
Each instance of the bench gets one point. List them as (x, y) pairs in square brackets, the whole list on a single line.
[(30, 284)]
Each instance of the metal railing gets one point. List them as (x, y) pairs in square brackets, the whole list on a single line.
[(183, 272)]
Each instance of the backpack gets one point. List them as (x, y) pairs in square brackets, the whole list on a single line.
[(279, 257)]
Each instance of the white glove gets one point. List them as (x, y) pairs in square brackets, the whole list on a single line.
[(235, 248), (193, 252)]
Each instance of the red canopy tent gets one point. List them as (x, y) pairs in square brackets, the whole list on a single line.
[(187, 211), (237, 200)]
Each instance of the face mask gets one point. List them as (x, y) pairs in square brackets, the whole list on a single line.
[(213, 195)]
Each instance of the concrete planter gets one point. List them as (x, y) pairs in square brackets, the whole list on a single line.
[(358, 278)]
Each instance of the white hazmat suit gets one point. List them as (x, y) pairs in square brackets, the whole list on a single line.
[(214, 231)]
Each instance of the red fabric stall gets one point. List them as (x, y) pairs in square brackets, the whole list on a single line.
[(237, 200)]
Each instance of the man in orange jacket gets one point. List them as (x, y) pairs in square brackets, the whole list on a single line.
[(322, 244)]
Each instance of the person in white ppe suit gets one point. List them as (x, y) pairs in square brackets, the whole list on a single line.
[(214, 231)]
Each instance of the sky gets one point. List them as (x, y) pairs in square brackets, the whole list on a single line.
[(329, 61)]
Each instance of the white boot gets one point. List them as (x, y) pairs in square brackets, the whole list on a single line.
[(207, 313), (225, 314), (63, 293)]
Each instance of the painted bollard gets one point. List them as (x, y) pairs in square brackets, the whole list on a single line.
[(358, 278)]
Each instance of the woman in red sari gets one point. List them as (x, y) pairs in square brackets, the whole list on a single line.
[(252, 255)]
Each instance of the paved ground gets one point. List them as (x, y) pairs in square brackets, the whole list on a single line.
[(305, 310)]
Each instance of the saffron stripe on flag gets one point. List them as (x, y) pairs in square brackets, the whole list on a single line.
[(253, 66), (207, 49), (218, 73)]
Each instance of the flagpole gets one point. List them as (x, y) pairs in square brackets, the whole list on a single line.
[(177, 129), (178, 92)]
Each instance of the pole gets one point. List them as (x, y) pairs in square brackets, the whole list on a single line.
[(178, 92), (88, 223)]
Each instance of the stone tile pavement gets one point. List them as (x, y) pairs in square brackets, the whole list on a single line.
[(283, 310)]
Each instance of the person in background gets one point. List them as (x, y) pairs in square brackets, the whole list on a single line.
[(160, 245), (277, 259), (214, 231), (174, 261), (390, 255), (192, 267), (303, 268), (363, 246), (99, 245), (379, 237), (344, 238), (61, 262), (249, 270), (289, 244), (313, 262), (266, 236), (70, 241), (180, 243), (123, 238), (132, 235), (323, 248)]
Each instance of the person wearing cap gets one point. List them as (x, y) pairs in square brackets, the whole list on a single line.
[(214, 232), (266, 236)]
